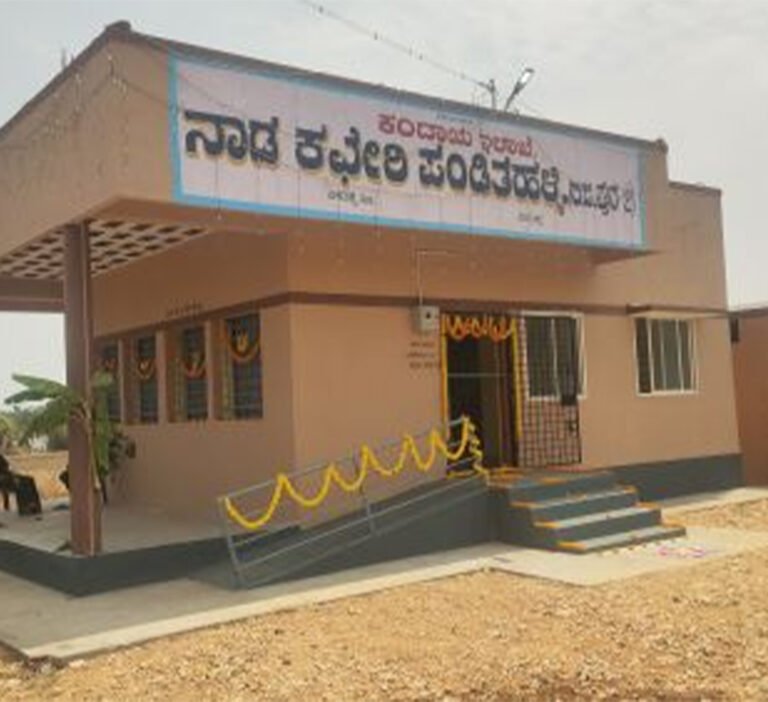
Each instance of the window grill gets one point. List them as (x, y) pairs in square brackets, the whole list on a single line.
[(242, 377), (665, 355), (146, 374), (192, 400), (110, 363)]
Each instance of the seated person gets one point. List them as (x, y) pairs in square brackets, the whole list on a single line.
[(27, 496), (7, 482)]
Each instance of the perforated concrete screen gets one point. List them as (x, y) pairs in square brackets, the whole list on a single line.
[(114, 243)]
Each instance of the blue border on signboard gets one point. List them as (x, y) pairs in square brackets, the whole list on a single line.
[(395, 222)]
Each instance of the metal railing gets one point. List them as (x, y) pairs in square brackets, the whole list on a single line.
[(343, 520)]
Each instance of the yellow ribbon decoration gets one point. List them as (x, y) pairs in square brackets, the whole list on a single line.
[(459, 328), (470, 444)]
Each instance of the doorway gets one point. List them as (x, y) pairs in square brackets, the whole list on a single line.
[(519, 379), (480, 383)]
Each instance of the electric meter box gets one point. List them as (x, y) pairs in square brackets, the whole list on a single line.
[(426, 318)]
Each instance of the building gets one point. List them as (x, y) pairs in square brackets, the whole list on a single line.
[(278, 265), (749, 337)]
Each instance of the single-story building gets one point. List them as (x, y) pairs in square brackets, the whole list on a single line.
[(279, 265)]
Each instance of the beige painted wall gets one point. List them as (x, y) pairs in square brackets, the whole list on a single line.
[(212, 272), (750, 357), (181, 467), (622, 427), (346, 366)]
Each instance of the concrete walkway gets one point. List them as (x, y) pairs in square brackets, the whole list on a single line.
[(40, 622)]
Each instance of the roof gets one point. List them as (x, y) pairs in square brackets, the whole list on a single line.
[(122, 31), (759, 309)]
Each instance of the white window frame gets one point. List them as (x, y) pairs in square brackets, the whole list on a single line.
[(581, 350), (693, 352)]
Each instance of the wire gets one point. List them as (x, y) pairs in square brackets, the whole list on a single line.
[(393, 43)]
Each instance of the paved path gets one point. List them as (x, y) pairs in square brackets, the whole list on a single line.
[(41, 622)]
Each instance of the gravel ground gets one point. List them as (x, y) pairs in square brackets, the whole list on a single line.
[(687, 634)]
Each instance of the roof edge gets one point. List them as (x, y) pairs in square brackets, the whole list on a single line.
[(122, 31), (697, 187), (173, 45), (116, 29)]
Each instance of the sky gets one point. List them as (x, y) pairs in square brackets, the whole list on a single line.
[(693, 72)]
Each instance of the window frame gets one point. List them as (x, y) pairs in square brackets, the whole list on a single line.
[(179, 402), (578, 317), (693, 356), (136, 381), (226, 411), (115, 391)]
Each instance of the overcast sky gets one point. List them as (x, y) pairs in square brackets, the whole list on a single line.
[(694, 72)]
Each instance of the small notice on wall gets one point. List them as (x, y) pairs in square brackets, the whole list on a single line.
[(423, 354)]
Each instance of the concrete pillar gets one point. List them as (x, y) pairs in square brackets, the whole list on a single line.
[(85, 505)]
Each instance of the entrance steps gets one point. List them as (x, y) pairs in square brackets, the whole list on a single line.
[(576, 512)]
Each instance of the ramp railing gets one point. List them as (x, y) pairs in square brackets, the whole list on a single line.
[(288, 521)]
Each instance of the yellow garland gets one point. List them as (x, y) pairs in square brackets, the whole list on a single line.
[(196, 369), (145, 369), (239, 348), (469, 443), (459, 328)]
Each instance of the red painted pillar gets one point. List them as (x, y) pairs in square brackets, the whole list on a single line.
[(85, 505)]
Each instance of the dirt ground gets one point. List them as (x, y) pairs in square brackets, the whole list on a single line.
[(687, 634)]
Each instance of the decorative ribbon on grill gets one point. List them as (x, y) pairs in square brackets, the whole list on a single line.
[(241, 347), (145, 369), (469, 445), (193, 366)]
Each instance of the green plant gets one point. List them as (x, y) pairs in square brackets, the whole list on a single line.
[(8, 431), (60, 404)]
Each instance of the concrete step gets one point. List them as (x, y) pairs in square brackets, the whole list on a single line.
[(551, 486), (592, 526), (577, 505), (622, 540)]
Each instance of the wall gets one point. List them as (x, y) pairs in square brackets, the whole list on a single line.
[(342, 361), (180, 467), (751, 383), (98, 134), (621, 427)]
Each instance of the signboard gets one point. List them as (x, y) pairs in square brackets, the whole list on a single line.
[(290, 145)]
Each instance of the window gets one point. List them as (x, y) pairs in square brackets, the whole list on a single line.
[(109, 357), (665, 361), (192, 394), (553, 359), (146, 376), (242, 382)]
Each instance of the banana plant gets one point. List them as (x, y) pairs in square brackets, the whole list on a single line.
[(8, 431), (62, 403)]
